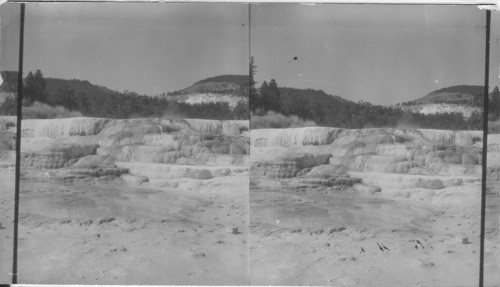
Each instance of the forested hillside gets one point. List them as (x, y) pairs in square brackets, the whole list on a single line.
[(97, 101), (460, 95), (225, 84)]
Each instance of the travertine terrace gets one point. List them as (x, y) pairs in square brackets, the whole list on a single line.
[(365, 206), (121, 201)]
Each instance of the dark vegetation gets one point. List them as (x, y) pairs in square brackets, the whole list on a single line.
[(224, 84), (495, 105), (9, 81), (458, 95), (8, 107), (241, 80), (469, 89), (334, 111), (307, 104), (96, 101)]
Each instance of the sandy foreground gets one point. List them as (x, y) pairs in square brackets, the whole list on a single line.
[(6, 219), (108, 233), (379, 242), (121, 235)]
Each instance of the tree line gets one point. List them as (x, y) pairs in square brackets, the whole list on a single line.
[(113, 104), (334, 111)]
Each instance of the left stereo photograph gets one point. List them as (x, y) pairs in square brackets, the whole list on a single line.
[(10, 26), (134, 144)]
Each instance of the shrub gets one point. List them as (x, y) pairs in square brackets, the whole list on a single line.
[(43, 111)]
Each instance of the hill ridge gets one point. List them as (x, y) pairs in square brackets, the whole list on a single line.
[(222, 84), (468, 95)]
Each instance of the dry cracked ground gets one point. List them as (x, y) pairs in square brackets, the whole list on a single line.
[(140, 201), (368, 207)]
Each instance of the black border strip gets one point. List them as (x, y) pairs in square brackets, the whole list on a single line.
[(485, 146), (18, 142)]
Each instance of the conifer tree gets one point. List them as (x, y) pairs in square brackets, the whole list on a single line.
[(252, 91), (495, 103)]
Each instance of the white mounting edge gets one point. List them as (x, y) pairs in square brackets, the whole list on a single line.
[(492, 7), (484, 4)]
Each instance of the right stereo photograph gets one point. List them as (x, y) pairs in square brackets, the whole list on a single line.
[(366, 138), (491, 254)]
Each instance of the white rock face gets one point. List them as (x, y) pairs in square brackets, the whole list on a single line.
[(427, 109), (82, 126), (61, 128), (320, 136), (288, 138), (205, 98), (147, 148), (382, 159)]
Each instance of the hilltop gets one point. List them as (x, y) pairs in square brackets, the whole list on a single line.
[(224, 89), (464, 99), (223, 84), (315, 96), (459, 95), (52, 85)]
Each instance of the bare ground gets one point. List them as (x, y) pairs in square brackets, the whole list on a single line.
[(361, 240), (7, 180), (101, 232)]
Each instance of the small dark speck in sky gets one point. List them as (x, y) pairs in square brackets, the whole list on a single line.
[(293, 59)]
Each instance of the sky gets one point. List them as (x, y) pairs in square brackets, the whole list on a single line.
[(145, 48), (378, 53), (384, 54)]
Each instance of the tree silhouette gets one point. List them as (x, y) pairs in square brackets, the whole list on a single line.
[(273, 96), (495, 103), (34, 88), (29, 89), (252, 91), (262, 97), (39, 84)]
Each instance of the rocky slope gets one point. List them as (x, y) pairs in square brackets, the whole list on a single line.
[(454, 94), (431, 108), (219, 84), (202, 98), (463, 99), (230, 89)]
